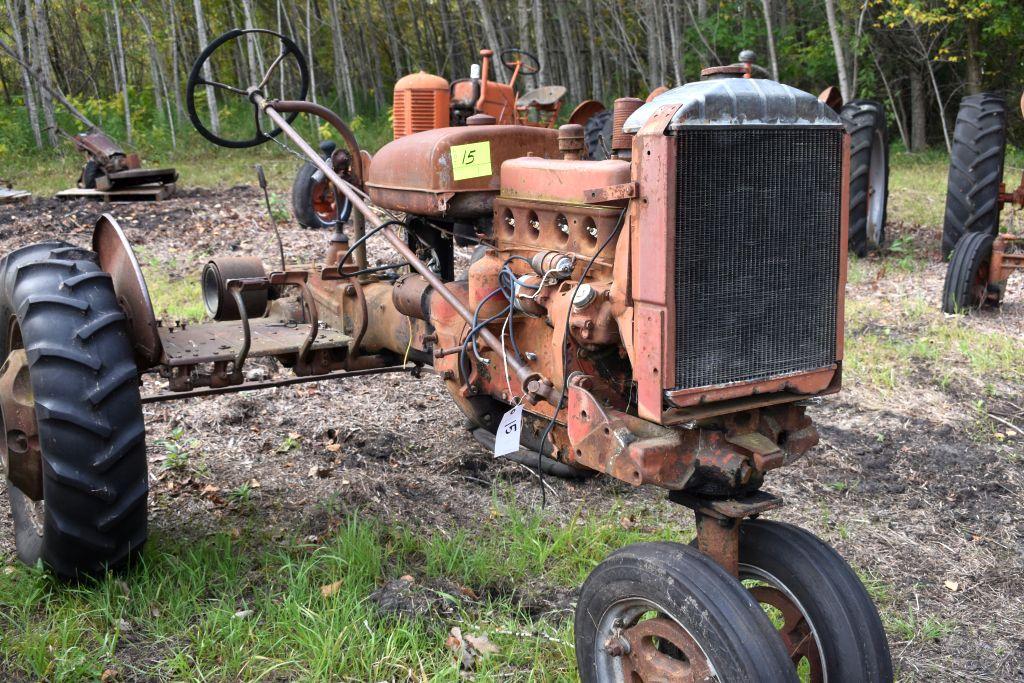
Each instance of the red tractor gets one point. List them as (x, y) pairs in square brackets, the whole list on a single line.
[(981, 259), (424, 101), (664, 320)]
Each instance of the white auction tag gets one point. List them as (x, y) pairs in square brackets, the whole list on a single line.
[(506, 440)]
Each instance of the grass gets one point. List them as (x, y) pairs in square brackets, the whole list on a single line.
[(223, 607)]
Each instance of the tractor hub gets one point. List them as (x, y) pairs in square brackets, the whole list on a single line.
[(19, 435)]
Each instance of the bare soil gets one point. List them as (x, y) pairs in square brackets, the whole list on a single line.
[(904, 489)]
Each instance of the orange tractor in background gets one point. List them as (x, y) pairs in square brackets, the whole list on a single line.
[(425, 101), (981, 258)]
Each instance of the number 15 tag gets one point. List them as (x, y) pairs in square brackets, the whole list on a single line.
[(506, 440)]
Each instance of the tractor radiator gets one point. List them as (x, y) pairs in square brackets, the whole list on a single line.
[(757, 251)]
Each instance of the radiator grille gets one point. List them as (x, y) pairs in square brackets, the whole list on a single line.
[(757, 252)]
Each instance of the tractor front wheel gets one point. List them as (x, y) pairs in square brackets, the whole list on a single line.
[(967, 287), (666, 612), (315, 203), (72, 417), (827, 621)]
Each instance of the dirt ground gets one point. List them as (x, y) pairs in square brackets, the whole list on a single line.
[(932, 515)]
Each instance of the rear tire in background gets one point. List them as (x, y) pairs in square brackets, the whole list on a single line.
[(597, 135), (869, 174), (975, 169), (966, 286), (312, 206), (90, 172), (60, 315)]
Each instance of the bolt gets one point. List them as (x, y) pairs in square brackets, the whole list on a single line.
[(617, 646), (17, 441)]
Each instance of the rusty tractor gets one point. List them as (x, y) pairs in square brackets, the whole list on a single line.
[(981, 259), (423, 101), (869, 150), (664, 318), (108, 167)]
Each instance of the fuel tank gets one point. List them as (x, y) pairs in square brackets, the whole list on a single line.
[(452, 172)]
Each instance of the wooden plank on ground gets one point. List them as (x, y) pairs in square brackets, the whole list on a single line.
[(142, 193), (9, 196)]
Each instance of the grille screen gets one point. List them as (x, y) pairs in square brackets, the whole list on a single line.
[(757, 252)]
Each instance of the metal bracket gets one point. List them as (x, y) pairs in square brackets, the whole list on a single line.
[(612, 194)]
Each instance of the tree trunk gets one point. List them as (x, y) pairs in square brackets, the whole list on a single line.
[(542, 46), (571, 52), (493, 41), (918, 112), (26, 80), (973, 63), (211, 94), (123, 72), (672, 10), (766, 7), (837, 48), (342, 74), (896, 113), (596, 82), (159, 73), (41, 40)]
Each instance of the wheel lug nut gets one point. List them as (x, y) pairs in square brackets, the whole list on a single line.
[(617, 646)]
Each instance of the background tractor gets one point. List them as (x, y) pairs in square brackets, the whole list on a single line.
[(980, 259), (664, 320), (423, 101), (869, 151)]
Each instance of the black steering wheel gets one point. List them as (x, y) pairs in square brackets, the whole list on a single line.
[(195, 79), (513, 57)]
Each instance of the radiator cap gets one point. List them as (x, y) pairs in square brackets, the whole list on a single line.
[(737, 102)]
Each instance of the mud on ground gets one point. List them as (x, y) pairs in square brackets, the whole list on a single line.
[(929, 511)]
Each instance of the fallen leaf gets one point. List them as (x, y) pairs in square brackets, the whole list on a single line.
[(254, 484), (321, 471), (952, 585), (468, 649), (330, 589), (110, 676), (209, 488), (482, 645)]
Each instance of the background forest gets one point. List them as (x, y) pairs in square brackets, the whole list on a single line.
[(124, 63)]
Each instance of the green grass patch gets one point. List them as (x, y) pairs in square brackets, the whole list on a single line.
[(223, 608), (884, 345), (175, 296)]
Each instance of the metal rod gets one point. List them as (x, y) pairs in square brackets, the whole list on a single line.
[(523, 373), (254, 386)]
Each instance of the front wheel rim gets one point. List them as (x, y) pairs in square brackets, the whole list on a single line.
[(876, 190), (630, 648), (802, 640)]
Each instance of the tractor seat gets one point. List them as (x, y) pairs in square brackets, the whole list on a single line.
[(544, 97)]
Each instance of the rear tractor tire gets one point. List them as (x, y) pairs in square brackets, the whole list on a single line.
[(967, 287), (60, 323), (975, 170), (597, 135), (869, 174), (657, 612)]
